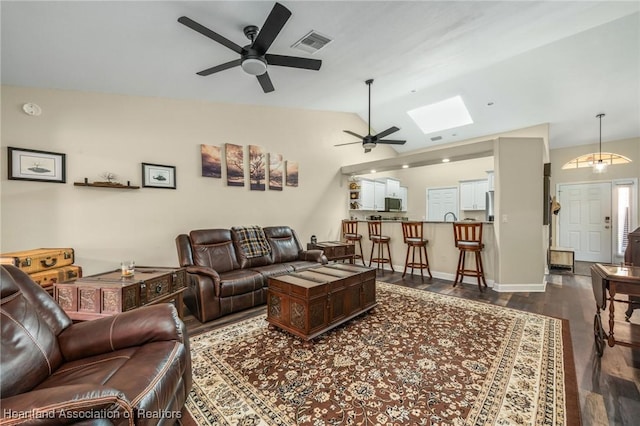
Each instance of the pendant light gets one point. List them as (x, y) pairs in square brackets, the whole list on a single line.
[(598, 161), (599, 166)]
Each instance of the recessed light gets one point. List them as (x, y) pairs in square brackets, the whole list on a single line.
[(373, 171), (445, 160), (405, 166), (489, 103)]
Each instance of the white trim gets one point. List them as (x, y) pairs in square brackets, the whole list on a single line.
[(519, 288)]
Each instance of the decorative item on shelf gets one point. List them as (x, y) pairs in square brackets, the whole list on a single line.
[(354, 185), (314, 240), (354, 205), (110, 177)]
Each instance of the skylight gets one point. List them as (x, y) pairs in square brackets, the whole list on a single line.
[(442, 115)]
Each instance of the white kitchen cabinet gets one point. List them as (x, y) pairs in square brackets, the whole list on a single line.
[(403, 196), (491, 183), (379, 193), (370, 194), (473, 193), (367, 195), (392, 187)]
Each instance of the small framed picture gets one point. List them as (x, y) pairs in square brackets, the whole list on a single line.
[(158, 176), (42, 166)]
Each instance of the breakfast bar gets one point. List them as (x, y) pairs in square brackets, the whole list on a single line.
[(443, 254)]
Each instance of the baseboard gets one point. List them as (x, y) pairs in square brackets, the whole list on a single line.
[(521, 288), (502, 288), (447, 276)]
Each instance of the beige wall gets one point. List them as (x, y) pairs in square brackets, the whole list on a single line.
[(100, 132), (520, 234)]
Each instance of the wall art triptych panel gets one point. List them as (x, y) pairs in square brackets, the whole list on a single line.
[(276, 171), (292, 173), (211, 161), (235, 164), (257, 168)]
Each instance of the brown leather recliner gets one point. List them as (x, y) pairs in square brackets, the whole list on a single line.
[(222, 280), (132, 368)]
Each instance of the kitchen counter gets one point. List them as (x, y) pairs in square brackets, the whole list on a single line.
[(441, 249)]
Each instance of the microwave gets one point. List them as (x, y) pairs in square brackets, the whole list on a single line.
[(392, 204)]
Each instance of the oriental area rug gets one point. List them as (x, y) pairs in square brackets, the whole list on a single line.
[(418, 358)]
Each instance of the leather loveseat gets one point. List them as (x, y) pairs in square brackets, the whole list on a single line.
[(223, 279), (132, 368)]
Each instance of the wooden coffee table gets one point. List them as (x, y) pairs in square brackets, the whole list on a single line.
[(311, 302)]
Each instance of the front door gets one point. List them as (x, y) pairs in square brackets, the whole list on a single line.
[(585, 220)]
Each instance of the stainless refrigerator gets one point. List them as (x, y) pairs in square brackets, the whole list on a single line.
[(489, 206)]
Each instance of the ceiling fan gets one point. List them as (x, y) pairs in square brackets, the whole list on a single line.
[(254, 58), (370, 141)]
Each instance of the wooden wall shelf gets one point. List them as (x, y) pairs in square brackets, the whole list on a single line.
[(106, 185)]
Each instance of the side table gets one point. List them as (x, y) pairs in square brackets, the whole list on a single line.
[(335, 250)]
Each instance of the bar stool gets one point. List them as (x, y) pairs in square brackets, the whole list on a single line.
[(351, 236), (468, 238), (412, 234), (376, 237)]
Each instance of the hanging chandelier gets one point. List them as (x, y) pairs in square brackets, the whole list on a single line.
[(598, 161)]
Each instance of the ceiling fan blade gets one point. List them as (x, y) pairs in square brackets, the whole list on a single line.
[(392, 142), (293, 62), (220, 67), (386, 132), (348, 143), (265, 82), (353, 134), (272, 26), (208, 33)]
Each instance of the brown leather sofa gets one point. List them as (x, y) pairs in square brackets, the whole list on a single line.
[(132, 368), (223, 280)]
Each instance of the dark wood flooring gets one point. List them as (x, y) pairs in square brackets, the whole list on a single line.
[(609, 387)]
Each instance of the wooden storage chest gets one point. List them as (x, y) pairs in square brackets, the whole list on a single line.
[(334, 250), (109, 293), (313, 301)]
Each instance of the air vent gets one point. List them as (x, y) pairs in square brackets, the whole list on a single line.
[(312, 42), (436, 138)]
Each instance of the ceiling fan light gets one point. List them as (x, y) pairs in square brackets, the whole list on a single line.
[(368, 144), (254, 66)]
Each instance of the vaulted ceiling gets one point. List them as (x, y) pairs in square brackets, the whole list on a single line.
[(535, 62)]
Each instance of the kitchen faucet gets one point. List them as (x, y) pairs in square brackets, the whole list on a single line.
[(450, 213)]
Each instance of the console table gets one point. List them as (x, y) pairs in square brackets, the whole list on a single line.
[(607, 282)]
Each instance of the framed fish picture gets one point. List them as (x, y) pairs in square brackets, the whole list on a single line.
[(41, 166), (158, 176)]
